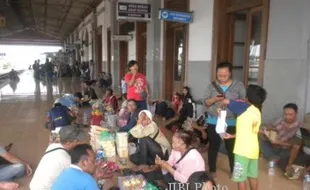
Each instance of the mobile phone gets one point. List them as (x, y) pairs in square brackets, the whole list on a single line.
[(220, 95)]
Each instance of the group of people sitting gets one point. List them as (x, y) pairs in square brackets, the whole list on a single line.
[(179, 161)]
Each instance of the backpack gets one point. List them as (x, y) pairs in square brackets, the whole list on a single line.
[(59, 116)]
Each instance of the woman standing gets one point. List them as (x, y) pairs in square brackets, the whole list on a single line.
[(137, 85), (222, 87)]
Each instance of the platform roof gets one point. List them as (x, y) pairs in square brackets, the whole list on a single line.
[(42, 22)]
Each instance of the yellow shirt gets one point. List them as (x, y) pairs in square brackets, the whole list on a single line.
[(247, 128)]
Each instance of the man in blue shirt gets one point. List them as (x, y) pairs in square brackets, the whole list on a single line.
[(79, 175)]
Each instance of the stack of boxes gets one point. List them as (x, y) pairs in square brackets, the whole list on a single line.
[(94, 133), (122, 144)]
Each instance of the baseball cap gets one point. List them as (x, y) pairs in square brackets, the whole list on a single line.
[(72, 133)]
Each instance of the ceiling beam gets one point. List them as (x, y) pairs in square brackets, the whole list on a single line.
[(31, 12), (66, 14), (57, 5), (45, 15), (86, 12)]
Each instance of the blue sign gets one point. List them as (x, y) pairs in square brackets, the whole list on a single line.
[(174, 16)]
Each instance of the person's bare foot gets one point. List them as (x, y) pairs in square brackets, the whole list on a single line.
[(8, 185), (140, 167)]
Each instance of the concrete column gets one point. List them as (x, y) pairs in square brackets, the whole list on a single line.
[(114, 46), (154, 65), (94, 42)]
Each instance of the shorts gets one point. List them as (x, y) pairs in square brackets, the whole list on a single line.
[(244, 168)]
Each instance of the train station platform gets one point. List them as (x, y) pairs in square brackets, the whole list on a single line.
[(23, 108)]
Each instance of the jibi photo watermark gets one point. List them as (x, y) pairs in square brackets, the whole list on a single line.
[(195, 186)]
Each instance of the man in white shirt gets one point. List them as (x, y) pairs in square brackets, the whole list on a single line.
[(56, 158)]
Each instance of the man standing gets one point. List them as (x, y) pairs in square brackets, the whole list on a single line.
[(92, 69), (16, 168), (56, 158), (79, 174)]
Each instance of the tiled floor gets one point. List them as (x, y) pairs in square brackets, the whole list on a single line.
[(22, 114)]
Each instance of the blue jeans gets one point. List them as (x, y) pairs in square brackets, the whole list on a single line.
[(271, 152), (11, 171), (142, 105)]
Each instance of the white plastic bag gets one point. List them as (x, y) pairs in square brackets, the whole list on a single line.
[(221, 124)]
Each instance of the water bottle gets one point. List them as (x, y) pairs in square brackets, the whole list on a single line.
[(271, 170), (100, 154), (306, 184)]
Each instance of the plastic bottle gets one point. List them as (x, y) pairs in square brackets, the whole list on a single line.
[(271, 170), (306, 184)]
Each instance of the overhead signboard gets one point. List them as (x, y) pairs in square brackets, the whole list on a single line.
[(122, 37), (2, 21), (2, 54), (174, 16), (133, 11)]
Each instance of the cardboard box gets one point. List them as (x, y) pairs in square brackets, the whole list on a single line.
[(122, 140), (123, 152)]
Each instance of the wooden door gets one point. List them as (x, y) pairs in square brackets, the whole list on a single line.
[(123, 47), (179, 58), (141, 46), (99, 54), (109, 54), (247, 46)]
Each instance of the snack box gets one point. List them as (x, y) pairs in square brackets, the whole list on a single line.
[(122, 139), (136, 182)]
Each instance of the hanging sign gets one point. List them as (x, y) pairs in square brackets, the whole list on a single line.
[(174, 16), (133, 11), (122, 37), (2, 21)]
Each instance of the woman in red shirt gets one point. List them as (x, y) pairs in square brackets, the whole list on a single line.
[(110, 100), (137, 85)]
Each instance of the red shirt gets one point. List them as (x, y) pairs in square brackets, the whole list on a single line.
[(112, 101), (176, 103), (134, 92)]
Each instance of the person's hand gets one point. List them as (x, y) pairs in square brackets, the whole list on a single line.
[(158, 160), (228, 136), (218, 110), (218, 98), (28, 169), (204, 134), (225, 101)]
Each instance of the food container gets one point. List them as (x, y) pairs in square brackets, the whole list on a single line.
[(122, 152), (136, 182), (108, 144), (122, 139)]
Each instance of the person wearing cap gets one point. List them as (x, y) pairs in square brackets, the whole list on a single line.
[(152, 141), (56, 158)]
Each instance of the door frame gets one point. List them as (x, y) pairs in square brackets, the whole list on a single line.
[(141, 45), (167, 65), (223, 33), (99, 48)]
